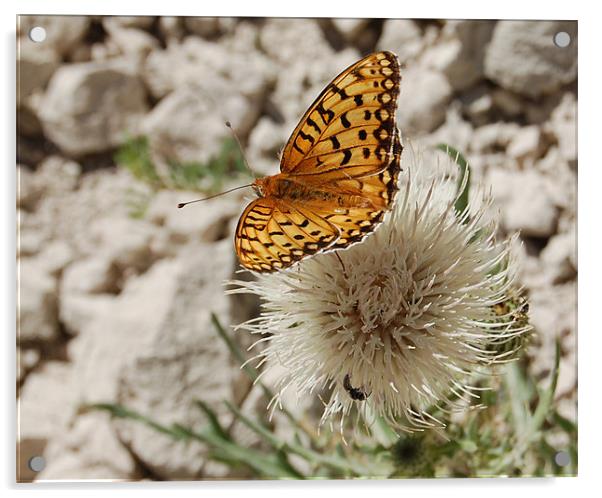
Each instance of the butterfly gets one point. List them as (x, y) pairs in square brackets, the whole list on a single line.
[(338, 172)]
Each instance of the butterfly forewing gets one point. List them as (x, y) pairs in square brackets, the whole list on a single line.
[(351, 122)]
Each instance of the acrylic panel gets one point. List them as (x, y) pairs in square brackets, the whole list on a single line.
[(379, 278)]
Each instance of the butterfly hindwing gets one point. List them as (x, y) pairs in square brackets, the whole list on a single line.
[(272, 235)]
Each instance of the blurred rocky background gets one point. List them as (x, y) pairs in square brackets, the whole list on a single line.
[(121, 118)]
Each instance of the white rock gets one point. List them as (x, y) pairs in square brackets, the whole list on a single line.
[(55, 256), (201, 223), (81, 53), (27, 359), (552, 311), (187, 361), (526, 143), (124, 242), (47, 401), (186, 127), (56, 175), (423, 100), (455, 132), (172, 28), (459, 52), (108, 49), (559, 257), (290, 40), (563, 125), (266, 142), (478, 104), (63, 33), (92, 107), (522, 56), (36, 63), (132, 41), (28, 191), (36, 303), (402, 36), (525, 202), (77, 311), (350, 29), (209, 27), (238, 72), (46, 406), (90, 449), (188, 124), (117, 335), (30, 241), (302, 80), (507, 102), (93, 275), (494, 136), (139, 22), (561, 182)]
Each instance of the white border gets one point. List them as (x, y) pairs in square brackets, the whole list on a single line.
[(590, 107)]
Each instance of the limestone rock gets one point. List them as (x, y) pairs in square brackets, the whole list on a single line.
[(188, 124), (92, 107), (209, 27), (402, 36), (93, 275), (36, 63), (559, 257), (186, 361), (172, 28), (265, 145), (37, 306), (526, 143), (509, 103), (553, 314), (55, 256), (123, 241), (28, 190), (63, 33), (460, 51), (525, 202), (46, 405), (523, 58), (290, 40), (563, 125), (195, 223), (131, 41), (138, 22), (57, 175), (423, 100), (78, 311), (116, 336), (90, 449), (494, 136)]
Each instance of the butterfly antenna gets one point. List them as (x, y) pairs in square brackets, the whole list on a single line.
[(242, 151), (182, 204)]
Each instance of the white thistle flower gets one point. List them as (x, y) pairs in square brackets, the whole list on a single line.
[(399, 321)]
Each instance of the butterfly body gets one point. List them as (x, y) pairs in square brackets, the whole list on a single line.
[(286, 188), (338, 172)]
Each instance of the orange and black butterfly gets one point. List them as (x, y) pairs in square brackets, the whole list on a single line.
[(338, 172)]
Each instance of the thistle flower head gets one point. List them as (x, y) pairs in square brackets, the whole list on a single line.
[(396, 323)]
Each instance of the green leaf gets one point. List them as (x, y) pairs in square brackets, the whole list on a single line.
[(213, 420), (461, 204), (134, 155)]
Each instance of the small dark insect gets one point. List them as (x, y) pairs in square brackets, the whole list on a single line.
[(355, 393)]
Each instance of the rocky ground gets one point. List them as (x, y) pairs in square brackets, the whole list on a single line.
[(116, 308)]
